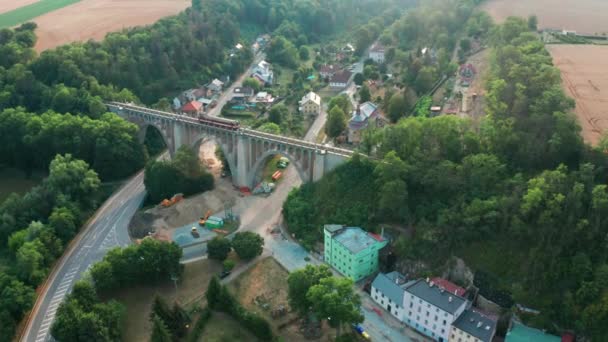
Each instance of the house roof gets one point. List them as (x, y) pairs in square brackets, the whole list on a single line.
[(243, 90), (522, 333), (377, 47), (449, 286), (442, 299), (391, 285), (326, 69), (355, 239), (311, 97), (192, 106), (332, 228), (341, 77), (476, 324), (217, 83)]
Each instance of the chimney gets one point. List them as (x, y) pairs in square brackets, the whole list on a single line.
[(427, 279), (431, 284), (479, 324), (450, 299), (456, 292)]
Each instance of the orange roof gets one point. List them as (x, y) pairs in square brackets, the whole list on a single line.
[(449, 286), (192, 106)]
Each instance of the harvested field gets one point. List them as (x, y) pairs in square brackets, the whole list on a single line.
[(26, 13), (583, 16), (585, 77), (93, 19), (9, 5)]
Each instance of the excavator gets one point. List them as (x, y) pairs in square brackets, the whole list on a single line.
[(203, 219)]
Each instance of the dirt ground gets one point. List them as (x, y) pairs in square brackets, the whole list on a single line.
[(585, 77), (189, 209), (9, 5), (583, 16), (266, 283), (138, 300), (92, 19)]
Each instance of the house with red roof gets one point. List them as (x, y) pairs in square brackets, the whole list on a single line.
[(193, 108), (449, 286)]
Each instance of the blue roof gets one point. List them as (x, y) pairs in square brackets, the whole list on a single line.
[(436, 296), (354, 239), (476, 324), (391, 285)]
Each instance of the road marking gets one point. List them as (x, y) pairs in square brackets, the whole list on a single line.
[(56, 300)]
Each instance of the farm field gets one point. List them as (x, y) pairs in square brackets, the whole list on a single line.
[(9, 5), (93, 19), (22, 12), (585, 78), (583, 16)]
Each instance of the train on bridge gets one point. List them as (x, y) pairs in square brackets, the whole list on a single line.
[(228, 124)]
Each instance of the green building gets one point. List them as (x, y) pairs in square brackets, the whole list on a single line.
[(522, 333), (352, 251)]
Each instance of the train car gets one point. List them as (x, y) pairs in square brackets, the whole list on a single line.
[(232, 125)]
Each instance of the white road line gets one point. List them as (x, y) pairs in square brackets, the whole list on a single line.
[(56, 300), (42, 339)]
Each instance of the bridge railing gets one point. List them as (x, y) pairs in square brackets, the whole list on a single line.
[(246, 131)]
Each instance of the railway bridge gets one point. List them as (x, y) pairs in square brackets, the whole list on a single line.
[(246, 150)]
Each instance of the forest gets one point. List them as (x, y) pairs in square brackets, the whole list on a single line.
[(518, 196)]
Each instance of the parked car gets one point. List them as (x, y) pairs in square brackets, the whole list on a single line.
[(224, 274)]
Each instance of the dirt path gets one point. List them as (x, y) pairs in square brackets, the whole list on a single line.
[(93, 19)]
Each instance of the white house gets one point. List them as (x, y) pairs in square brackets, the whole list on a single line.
[(388, 290), (263, 72), (376, 53), (431, 310), (215, 86), (310, 104), (263, 97)]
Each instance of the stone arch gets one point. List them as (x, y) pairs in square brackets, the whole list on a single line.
[(227, 148), (143, 123), (260, 161)]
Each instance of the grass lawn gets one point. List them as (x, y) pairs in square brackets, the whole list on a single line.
[(270, 168), (223, 328), (14, 180), (138, 300), (29, 12)]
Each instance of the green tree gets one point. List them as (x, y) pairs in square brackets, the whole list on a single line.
[(300, 281), (465, 44), (364, 94), (247, 245), (282, 52), (270, 127), (397, 107), (336, 122), (72, 178), (228, 264), (533, 23), (160, 332), (304, 53), (359, 79), (64, 223), (278, 114), (252, 83), (218, 248), (213, 293), (335, 299)]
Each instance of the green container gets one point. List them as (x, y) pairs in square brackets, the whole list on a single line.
[(213, 224)]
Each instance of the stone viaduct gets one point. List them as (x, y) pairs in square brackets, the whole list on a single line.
[(246, 150)]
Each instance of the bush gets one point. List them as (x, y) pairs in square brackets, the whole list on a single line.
[(218, 248), (200, 325), (247, 245), (229, 264)]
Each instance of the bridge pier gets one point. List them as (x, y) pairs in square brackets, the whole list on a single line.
[(245, 150)]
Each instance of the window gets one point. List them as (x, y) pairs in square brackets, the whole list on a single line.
[(435, 318), (444, 322), (427, 314), (453, 336), (418, 309), (426, 322), (442, 331), (434, 326), (411, 304), (376, 297)]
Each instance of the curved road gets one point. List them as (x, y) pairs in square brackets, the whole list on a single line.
[(106, 230)]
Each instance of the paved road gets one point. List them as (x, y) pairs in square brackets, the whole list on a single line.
[(106, 230), (227, 93)]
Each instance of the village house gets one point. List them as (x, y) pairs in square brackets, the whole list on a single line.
[(242, 94), (310, 104), (263, 97), (352, 251), (340, 79), (263, 72), (193, 108), (215, 86), (327, 71), (435, 308), (376, 53), (365, 115), (472, 326)]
